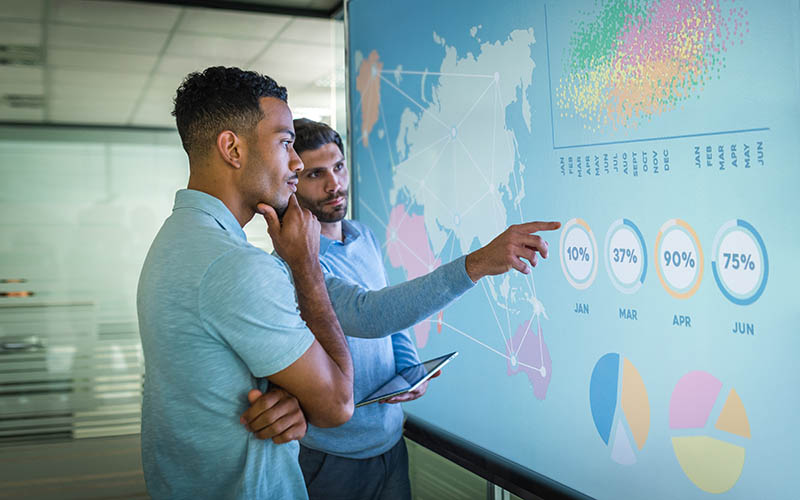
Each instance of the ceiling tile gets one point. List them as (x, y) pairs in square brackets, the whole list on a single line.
[(128, 63), (310, 98), (83, 78), (152, 116), (286, 73), (21, 33), (209, 22), (154, 110), (96, 90), (320, 31), (89, 111), (182, 66), (301, 57), (104, 13), (207, 46), (165, 83), (159, 98), (109, 61), (22, 9), (123, 40)]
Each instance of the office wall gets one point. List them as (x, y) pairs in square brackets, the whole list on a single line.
[(78, 210)]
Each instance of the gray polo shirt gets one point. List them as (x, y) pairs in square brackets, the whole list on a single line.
[(216, 314)]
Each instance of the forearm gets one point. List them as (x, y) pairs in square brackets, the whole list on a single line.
[(317, 312), (374, 314), (405, 352)]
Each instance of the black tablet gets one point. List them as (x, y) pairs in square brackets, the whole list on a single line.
[(408, 379)]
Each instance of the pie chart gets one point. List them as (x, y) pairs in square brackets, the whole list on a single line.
[(712, 464), (620, 408)]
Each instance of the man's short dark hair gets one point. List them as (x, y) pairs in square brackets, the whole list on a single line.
[(218, 99), (311, 135)]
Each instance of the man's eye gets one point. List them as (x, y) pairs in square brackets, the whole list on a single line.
[(339, 167)]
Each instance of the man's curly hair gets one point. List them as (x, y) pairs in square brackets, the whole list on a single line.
[(218, 99)]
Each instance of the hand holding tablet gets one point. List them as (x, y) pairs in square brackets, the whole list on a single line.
[(409, 379)]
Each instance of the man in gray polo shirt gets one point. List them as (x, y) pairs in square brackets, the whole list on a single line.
[(218, 316)]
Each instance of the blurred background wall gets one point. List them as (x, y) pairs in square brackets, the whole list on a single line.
[(89, 164)]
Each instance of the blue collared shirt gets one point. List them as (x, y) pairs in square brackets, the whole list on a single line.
[(216, 315), (374, 428)]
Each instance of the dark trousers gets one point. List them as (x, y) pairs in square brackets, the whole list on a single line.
[(331, 477)]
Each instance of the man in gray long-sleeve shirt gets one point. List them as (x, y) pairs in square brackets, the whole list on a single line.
[(366, 457)]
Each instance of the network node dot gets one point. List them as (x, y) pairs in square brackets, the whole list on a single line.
[(496, 76), (453, 132), (457, 219), (374, 70), (513, 360), (543, 371)]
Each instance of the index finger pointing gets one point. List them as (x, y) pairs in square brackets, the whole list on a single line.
[(532, 227)]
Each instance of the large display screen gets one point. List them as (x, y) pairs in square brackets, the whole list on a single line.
[(653, 354)]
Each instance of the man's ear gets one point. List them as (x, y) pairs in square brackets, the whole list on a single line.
[(230, 148)]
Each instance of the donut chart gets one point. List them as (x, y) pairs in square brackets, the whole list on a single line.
[(578, 253), (740, 264), (679, 258), (626, 256)]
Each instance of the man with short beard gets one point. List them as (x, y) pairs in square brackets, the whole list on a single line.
[(366, 458)]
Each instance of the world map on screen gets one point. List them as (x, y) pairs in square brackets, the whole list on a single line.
[(658, 132)]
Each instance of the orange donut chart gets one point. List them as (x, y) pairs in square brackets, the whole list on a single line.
[(683, 226)]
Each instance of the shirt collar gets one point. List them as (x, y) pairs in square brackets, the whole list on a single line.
[(349, 234), (211, 205)]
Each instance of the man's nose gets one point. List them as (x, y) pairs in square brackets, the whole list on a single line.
[(332, 184), (295, 163)]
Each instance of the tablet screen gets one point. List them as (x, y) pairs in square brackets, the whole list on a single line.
[(408, 379)]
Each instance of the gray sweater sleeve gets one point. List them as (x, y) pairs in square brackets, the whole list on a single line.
[(378, 313)]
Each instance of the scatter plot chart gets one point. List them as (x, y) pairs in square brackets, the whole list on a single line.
[(620, 407), (628, 62), (713, 464)]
